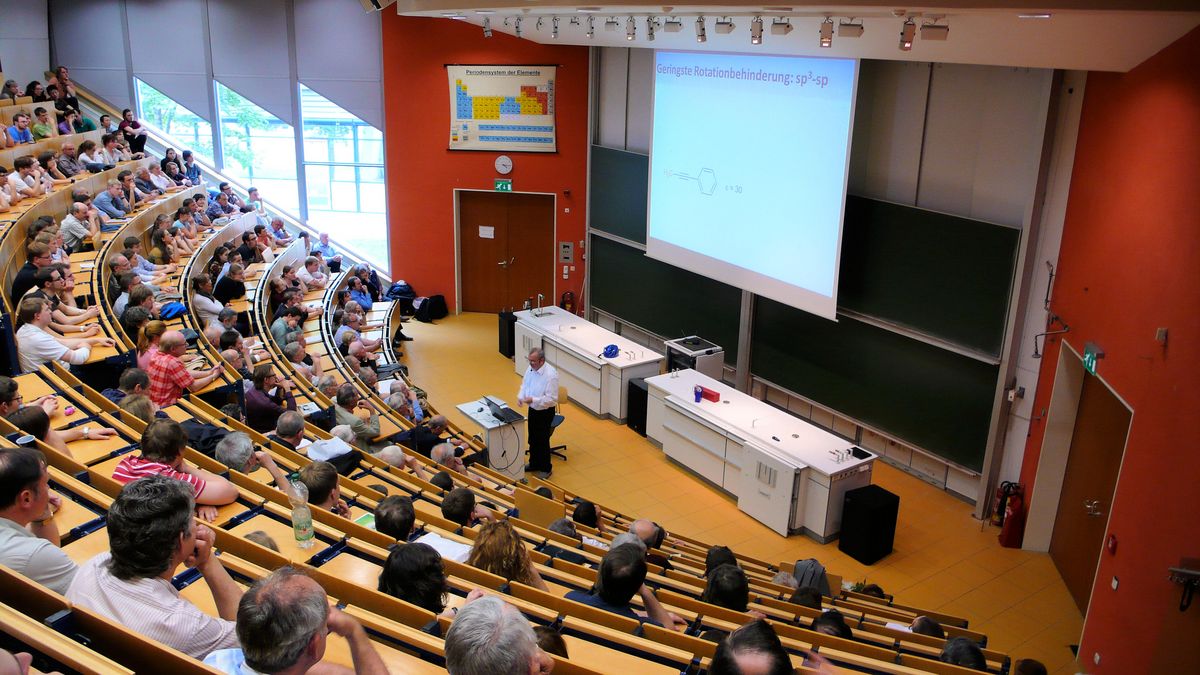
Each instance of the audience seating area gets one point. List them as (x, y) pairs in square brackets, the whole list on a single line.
[(348, 555)]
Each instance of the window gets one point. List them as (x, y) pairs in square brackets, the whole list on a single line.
[(186, 127), (343, 171), (259, 149)]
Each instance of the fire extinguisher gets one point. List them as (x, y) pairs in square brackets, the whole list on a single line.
[(1000, 501), (567, 301), (1013, 530)]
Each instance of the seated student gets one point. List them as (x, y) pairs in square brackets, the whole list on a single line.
[(491, 636), (268, 398), (961, 651), (622, 575), (237, 452), (753, 648), (728, 587), (1029, 667), (162, 446), (282, 622), (459, 507), (588, 514), (785, 579), (806, 596), (565, 527), (414, 573), (169, 377), (652, 535), (321, 479), (831, 622), (29, 538), (11, 399), (291, 323), (36, 346), (132, 381), (499, 549), (717, 556), (151, 532), (874, 590), (140, 406), (395, 517), (442, 480), (551, 641), (924, 625), (232, 286)]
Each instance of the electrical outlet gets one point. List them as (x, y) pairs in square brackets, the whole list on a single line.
[(1115, 582)]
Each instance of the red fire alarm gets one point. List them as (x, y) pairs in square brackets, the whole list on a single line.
[(1111, 544)]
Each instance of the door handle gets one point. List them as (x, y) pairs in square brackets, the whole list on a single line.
[(503, 263), (512, 260), (1092, 507)]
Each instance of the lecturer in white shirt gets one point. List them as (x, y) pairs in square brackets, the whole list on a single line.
[(539, 391)]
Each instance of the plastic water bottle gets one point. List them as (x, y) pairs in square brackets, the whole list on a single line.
[(302, 524)]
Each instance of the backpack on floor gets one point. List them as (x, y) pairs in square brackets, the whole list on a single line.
[(430, 309), (810, 572)]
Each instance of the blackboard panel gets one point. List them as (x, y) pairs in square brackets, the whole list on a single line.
[(619, 184), (942, 275), (662, 298), (930, 397)]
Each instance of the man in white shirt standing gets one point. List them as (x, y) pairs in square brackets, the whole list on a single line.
[(539, 391)]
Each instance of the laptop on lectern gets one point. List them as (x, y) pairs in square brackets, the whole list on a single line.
[(504, 414)]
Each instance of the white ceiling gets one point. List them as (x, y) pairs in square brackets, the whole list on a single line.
[(1076, 36)]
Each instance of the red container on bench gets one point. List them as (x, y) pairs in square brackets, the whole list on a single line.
[(710, 395)]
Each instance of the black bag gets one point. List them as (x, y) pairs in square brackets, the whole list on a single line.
[(403, 294), (431, 309), (203, 437)]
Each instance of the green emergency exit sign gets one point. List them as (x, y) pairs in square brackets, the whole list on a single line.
[(503, 185), (1091, 354)]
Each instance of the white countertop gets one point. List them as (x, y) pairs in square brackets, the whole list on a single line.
[(586, 338), (753, 420)]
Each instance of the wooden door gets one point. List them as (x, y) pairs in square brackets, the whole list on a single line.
[(506, 249), (1097, 446)]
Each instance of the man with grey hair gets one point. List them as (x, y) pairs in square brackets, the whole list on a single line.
[(237, 452), (151, 532), (283, 621), (565, 527), (652, 538), (79, 226), (394, 455), (628, 538), (539, 391), (325, 419), (289, 430), (295, 353), (490, 636)]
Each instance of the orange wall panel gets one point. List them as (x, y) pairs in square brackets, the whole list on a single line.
[(1130, 264), (422, 173)]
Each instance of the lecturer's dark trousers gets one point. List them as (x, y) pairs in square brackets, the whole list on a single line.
[(539, 438)]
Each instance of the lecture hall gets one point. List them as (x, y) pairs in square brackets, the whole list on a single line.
[(504, 337)]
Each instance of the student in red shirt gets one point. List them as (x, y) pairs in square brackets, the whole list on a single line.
[(162, 446), (168, 376)]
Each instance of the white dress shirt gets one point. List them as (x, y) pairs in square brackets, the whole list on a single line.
[(152, 607), (541, 385)]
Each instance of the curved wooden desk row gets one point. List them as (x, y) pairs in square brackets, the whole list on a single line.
[(56, 205), (55, 143)]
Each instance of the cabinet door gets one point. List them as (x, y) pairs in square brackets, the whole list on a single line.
[(734, 457), (655, 411), (694, 445)]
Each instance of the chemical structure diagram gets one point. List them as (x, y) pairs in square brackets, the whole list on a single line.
[(706, 179)]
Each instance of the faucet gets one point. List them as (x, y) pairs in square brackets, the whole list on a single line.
[(538, 311)]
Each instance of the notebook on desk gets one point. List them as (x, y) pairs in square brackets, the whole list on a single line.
[(506, 415)]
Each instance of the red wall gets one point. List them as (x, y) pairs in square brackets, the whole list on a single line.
[(1130, 264), (422, 173)]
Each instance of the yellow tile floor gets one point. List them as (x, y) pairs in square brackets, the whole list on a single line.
[(943, 558)]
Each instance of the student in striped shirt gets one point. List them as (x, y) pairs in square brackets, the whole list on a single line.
[(162, 445)]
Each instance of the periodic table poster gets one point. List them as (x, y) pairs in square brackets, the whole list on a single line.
[(503, 108)]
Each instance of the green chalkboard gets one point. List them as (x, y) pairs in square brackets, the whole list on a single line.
[(928, 396), (662, 298), (619, 183), (942, 275)]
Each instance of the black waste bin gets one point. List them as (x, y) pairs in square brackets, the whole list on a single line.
[(635, 405), (868, 523), (508, 329)]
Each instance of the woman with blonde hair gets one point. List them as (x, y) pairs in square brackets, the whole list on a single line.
[(498, 549), (147, 342)]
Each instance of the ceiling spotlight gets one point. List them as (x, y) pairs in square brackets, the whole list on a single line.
[(611, 23), (849, 29), (725, 26), (651, 24), (701, 34), (591, 31), (781, 27), (538, 26), (487, 27), (827, 33), (673, 25), (630, 29), (554, 27), (756, 27), (935, 31), (518, 25), (907, 31)]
